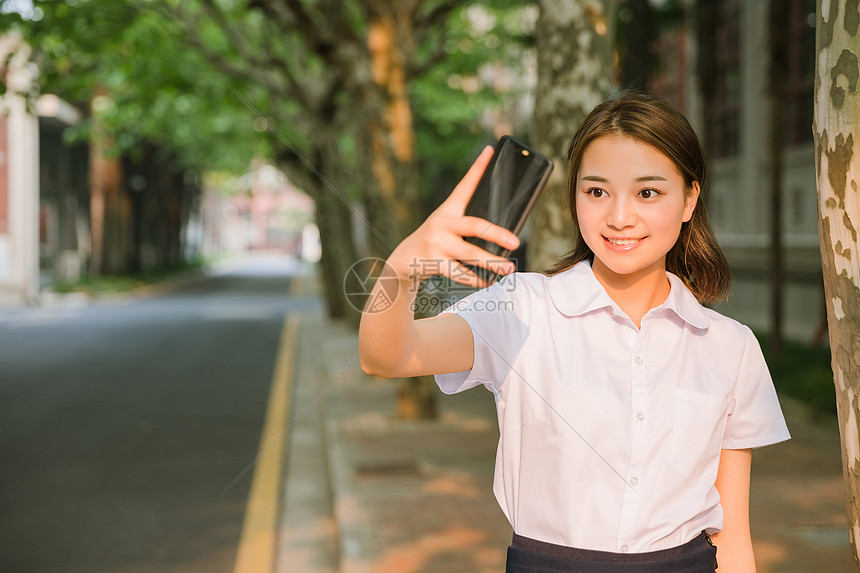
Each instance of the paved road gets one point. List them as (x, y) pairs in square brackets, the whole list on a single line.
[(121, 424)]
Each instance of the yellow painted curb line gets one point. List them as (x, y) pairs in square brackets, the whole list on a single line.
[(258, 543)]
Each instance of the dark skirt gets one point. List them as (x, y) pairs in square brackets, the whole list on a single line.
[(531, 556)]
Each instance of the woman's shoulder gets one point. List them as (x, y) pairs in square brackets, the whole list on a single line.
[(517, 292), (726, 328), (523, 283), (522, 291), (716, 324)]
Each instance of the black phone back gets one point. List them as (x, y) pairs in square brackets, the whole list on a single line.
[(507, 192)]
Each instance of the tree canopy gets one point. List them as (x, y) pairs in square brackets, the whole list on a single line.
[(195, 76), (129, 64)]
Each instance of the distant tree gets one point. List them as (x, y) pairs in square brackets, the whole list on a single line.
[(837, 161), (330, 87), (637, 31), (142, 93), (573, 77), (705, 14), (475, 92), (778, 28), (639, 26), (159, 91), (337, 76)]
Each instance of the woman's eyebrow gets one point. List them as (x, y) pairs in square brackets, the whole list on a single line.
[(604, 180), (595, 178)]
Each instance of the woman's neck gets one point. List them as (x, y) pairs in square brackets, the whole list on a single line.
[(635, 293)]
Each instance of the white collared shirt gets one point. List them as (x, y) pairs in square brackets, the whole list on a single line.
[(610, 435)]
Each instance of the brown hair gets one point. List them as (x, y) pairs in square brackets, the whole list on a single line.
[(696, 257)]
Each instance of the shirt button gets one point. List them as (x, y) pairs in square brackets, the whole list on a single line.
[(624, 549), (640, 416), (639, 360), (634, 481)]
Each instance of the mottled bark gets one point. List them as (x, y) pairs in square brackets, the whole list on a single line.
[(574, 62), (837, 163)]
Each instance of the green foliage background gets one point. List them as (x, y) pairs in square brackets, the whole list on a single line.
[(163, 91)]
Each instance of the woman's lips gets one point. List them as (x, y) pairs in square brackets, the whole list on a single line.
[(621, 245)]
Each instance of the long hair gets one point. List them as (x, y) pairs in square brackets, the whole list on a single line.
[(696, 257)]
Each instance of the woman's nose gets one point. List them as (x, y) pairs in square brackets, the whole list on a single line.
[(621, 214)]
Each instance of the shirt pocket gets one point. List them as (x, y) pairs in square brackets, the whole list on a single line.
[(697, 433)]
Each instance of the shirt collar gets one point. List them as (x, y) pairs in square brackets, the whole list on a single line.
[(577, 291)]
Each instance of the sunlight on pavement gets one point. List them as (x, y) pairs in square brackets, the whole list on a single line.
[(411, 557), (456, 486)]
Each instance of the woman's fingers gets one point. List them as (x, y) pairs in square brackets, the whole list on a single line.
[(483, 229), (459, 197), (476, 256), (464, 276), (437, 246)]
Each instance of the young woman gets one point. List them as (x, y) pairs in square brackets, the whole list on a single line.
[(627, 410)]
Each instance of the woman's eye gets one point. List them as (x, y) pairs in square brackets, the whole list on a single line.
[(595, 192), (649, 193)]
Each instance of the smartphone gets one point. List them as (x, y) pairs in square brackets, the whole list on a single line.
[(506, 194)]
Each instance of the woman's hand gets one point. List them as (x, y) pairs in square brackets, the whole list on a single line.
[(391, 342), (734, 543), (437, 247)]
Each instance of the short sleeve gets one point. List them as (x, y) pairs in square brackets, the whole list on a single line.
[(498, 317), (755, 417)]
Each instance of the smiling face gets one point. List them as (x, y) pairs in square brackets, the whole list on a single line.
[(630, 203)]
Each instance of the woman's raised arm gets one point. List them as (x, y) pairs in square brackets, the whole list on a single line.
[(391, 342)]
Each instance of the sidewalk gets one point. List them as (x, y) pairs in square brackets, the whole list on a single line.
[(366, 492)]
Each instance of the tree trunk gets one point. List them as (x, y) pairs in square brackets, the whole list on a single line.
[(778, 26), (573, 77), (837, 163), (334, 218), (338, 253), (106, 208), (110, 206), (391, 198), (117, 241), (705, 13), (638, 34), (388, 154)]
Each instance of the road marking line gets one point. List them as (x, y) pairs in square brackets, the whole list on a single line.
[(258, 543)]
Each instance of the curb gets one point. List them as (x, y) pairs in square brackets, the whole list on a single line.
[(50, 299)]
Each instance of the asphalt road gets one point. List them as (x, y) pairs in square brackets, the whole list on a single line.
[(122, 423)]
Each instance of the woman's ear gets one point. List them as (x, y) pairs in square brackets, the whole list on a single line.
[(692, 200)]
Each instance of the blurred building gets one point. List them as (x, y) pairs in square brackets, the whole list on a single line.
[(735, 120), (19, 179), (55, 194), (44, 197), (64, 229), (261, 210)]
